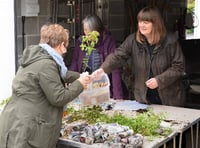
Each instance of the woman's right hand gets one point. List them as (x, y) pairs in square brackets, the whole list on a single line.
[(97, 74), (85, 80)]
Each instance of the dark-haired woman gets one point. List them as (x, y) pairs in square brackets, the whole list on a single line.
[(157, 60)]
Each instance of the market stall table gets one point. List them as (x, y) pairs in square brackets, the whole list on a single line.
[(157, 142), (184, 118)]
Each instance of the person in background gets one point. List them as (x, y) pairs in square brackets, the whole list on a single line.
[(157, 61), (105, 45), (32, 117)]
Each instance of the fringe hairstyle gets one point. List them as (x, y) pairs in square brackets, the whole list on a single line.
[(153, 15)]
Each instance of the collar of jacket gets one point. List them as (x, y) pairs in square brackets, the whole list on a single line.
[(143, 46)]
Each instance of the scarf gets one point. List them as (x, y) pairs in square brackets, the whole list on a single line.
[(58, 58)]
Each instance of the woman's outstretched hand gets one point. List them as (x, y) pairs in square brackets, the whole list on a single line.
[(97, 74)]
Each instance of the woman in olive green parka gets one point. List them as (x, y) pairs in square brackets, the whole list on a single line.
[(32, 118)]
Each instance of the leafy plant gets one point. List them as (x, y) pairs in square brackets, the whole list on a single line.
[(146, 123), (91, 114), (4, 101), (88, 45)]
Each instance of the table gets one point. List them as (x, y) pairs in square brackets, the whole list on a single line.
[(188, 119), (187, 125), (65, 143)]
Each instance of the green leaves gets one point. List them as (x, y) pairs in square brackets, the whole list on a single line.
[(88, 45), (91, 114), (146, 123), (4, 101), (89, 41)]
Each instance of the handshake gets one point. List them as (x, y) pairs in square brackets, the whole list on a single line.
[(85, 78)]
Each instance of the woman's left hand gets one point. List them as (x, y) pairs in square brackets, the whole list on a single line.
[(152, 83)]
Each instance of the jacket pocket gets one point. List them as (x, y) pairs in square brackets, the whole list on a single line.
[(41, 134)]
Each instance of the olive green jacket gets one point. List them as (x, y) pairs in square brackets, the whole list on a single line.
[(167, 63), (32, 118)]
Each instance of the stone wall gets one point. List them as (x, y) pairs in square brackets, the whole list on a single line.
[(30, 26), (120, 17)]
